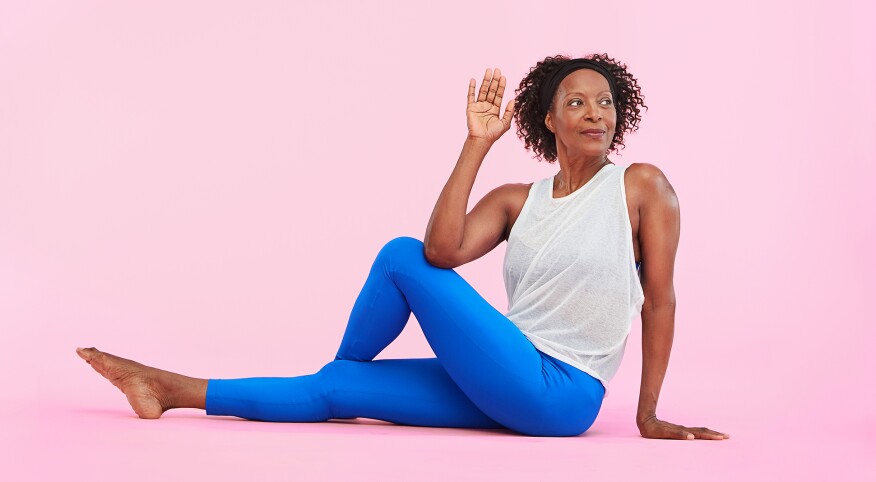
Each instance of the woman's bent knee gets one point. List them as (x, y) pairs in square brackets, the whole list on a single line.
[(402, 243), (402, 247)]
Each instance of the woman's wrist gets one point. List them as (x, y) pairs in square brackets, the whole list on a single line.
[(478, 142), (643, 418)]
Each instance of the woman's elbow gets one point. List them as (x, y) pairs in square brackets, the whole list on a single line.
[(439, 260)]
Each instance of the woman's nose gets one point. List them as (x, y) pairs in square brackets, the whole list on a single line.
[(593, 112)]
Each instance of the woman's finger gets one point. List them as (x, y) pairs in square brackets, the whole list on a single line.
[(703, 432), (485, 86), (670, 433), (494, 86), (471, 90), (713, 432), (509, 114), (500, 92)]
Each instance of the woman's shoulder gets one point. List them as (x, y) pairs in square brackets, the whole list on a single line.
[(645, 181), (515, 191), (644, 172)]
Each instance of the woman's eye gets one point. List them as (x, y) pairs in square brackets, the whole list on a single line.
[(579, 101)]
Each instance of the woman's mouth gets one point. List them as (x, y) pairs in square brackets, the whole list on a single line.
[(594, 133)]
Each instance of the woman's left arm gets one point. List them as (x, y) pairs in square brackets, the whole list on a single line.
[(659, 231)]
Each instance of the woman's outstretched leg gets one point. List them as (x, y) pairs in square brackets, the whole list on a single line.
[(414, 391), (409, 391)]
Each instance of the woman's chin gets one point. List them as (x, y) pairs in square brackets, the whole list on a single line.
[(594, 149)]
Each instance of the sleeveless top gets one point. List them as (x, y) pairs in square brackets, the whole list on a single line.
[(570, 273)]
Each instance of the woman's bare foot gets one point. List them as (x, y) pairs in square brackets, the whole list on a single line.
[(142, 385)]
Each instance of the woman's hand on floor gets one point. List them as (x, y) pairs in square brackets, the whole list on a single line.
[(655, 428)]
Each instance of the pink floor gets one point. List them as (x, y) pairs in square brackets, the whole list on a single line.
[(100, 438)]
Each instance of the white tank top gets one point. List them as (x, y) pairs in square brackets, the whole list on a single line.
[(571, 275)]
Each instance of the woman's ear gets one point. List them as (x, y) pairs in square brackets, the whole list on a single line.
[(549, 122)]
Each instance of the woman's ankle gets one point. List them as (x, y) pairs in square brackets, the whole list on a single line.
[(183, 391)]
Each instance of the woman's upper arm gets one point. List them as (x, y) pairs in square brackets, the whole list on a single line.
[(659, 232), (484, 229)]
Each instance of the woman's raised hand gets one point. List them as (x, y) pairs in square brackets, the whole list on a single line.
[(482, 112)]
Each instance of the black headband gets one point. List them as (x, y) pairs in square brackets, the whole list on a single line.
[(552, 82)]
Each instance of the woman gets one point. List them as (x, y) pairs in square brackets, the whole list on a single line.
[(570, 270)]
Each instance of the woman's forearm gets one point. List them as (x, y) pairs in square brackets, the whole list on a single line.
[(446, 227), (658, 327)]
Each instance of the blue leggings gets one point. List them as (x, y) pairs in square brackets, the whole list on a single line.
[(486, 374)]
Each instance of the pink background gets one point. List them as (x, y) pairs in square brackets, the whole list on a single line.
[(202, 187)]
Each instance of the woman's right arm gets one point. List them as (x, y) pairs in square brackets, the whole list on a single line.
[(452, 237)]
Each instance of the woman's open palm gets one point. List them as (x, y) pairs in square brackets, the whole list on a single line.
[(482, 112)]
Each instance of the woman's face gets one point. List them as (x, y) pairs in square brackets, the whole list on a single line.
[(582, 101)]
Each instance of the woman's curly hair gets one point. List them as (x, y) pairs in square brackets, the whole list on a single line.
[(530, 121)]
